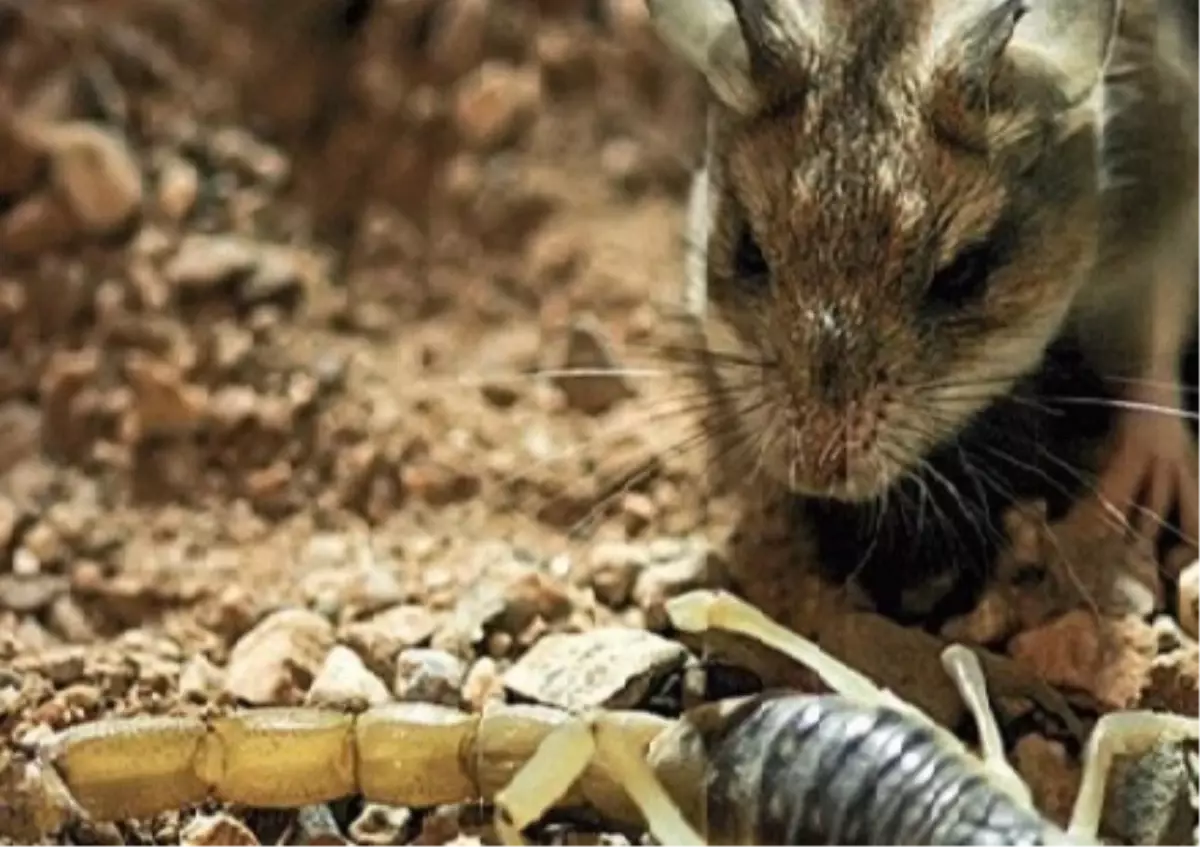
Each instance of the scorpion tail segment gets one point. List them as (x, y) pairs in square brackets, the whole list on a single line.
[(617, 753), (1116, 734), (966, 670), (543, 780), (702, 610)]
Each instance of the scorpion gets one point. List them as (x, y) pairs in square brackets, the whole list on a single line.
[(857, 765)]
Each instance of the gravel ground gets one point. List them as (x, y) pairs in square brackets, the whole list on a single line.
[(283, 287)]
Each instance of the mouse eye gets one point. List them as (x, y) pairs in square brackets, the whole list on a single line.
[(963, 281), (749, 263)]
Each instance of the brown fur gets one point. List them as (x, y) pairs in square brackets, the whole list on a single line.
[(857, 188)]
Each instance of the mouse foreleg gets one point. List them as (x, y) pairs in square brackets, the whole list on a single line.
[(1137, 340)]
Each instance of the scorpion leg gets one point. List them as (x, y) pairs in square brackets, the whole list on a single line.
[(1117, 734), (598, 739), (966, 670), (544, 779), (701, 610)]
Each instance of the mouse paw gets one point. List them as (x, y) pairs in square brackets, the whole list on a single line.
[(1152, 469)]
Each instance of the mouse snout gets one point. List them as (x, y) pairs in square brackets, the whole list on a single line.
[(839, 447), (841, 396)]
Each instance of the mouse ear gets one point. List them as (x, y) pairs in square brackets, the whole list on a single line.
[(1064, 42), (707, 35), (1070, 39), (778, 34)]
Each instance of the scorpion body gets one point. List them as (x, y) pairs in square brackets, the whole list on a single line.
[(777, 768), (858, 766)]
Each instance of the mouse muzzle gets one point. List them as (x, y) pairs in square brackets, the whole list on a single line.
[(838, 384)]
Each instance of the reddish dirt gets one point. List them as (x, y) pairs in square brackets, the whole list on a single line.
[(279, 292)]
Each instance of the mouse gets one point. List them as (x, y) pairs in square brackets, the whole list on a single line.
[(905, 206)]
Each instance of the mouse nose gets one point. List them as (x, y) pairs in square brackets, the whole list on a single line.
[(847, 438), (831, 349), (843, 418)]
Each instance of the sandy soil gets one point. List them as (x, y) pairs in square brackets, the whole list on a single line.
[(282, 290)]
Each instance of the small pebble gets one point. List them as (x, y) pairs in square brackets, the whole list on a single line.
[(676, 567), (609, 667), (38, 224), (344, 683), (205, 262), (992, 620), (278, 659), (178, 186), (199, 679), (96, 173), (624, 162), (315, 826), (429, 676), (31, 593), (63, 666), (495, 104), (9, 516), (1189, 598), (482, 685), (1110, 658), (510, 593), (215, 830), (1168, 632), (1025, 525), (98, 833), (165, 404), (381, 637), (612, 569), (1052, 776), (588, 349), (351, 591), (378, 824)]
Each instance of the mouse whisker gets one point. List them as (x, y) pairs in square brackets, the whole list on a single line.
[(923, 488), (840, 433), (480, 379), (767, 439), (934, 429), (923, 496), (982, 476), (960, 382), (1091, 482), (638, 476), (679, 408), (519, 376), (878, 506), (1069, 567), (1020, 464), (645, 469), (701, 353), (870, 549), (736, 439), (1182, 388), (1126, 405), (985, 397), (978, 517)]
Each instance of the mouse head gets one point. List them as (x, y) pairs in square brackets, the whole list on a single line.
[(902, 203)]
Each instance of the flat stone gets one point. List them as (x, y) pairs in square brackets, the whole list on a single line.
[(610, 667)]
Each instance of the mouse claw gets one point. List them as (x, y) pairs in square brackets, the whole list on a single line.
[(1150, 471)]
